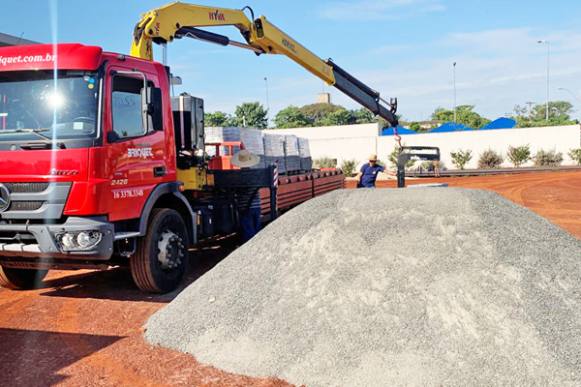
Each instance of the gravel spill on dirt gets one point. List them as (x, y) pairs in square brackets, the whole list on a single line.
[(432, 286)]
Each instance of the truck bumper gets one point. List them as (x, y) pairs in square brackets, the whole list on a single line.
[(40, 240)]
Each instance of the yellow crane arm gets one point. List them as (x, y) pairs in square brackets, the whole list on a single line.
[(178, 20)]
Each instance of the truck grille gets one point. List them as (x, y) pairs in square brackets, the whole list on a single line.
[(35, 201), (25, 206), (26, 187)]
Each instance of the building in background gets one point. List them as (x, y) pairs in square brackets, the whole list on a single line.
[(10, 40)]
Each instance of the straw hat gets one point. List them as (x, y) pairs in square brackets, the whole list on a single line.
[(245, 159), (372, 157)]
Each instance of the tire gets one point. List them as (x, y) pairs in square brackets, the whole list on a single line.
[(21, 279), (152, 271)]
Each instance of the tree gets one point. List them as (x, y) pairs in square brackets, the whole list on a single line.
[(291, 117), (363, 116), (465, 114), (217, 119), (251, 114), (519, 155), (575, 155), (489, 159), (338, 117), (317, 112), (461, 158), (415, 126), (534, 115)]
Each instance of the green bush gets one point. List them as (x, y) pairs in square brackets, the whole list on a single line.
[(519, 155), (461, 158), (348, 167), (394, 155), (575, 154), (325, 162), (550, 158), (489, 159)]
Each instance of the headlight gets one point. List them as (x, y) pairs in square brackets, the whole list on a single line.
[(79, 241), (88, 239)]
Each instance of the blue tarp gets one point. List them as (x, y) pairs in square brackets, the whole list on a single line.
[(450, 127), (400, 130), (501, 123)]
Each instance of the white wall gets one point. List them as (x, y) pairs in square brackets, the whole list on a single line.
[(336, 132), (358, 141)]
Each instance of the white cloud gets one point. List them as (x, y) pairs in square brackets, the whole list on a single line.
[(379, 9)]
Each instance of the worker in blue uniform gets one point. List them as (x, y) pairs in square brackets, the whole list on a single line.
[(368, 173), (248, 199)]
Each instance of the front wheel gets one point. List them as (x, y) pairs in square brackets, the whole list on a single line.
[(161, 259), (21, 279)]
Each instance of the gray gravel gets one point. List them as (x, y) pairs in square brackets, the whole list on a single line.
[(429, 287)]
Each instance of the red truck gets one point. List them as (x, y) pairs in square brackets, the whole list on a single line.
[(89, 170), (101, 166)]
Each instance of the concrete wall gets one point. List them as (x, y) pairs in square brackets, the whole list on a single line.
[(358, 141)]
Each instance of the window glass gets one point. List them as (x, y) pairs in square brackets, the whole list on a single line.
[(33, 104), (126, 106)]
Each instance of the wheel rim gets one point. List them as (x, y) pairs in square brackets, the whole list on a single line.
[(171, 249)]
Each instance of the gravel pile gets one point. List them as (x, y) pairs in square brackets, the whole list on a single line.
[(433, 286)]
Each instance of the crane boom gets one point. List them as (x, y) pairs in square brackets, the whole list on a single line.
[(178, 20)]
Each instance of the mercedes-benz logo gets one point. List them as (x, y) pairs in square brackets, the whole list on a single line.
[(4, 198)]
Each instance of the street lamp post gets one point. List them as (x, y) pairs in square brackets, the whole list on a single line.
[(548, 74), (570, 92), (454, 72)]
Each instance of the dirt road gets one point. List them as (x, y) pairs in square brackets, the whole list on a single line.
[(84, 328)]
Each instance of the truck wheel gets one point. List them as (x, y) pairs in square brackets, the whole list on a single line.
[(21, 279), (161, 259)]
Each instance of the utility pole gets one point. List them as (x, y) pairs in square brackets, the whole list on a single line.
[(267, 97), (548, 75), (455, 106)]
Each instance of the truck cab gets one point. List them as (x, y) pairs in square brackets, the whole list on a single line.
[(88, 154)]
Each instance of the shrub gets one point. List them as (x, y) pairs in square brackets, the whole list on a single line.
[(550, 158), (325, 162), (519, 155), (348, 167), (489, 159), (393, 158), (575, 155), (461, 158)]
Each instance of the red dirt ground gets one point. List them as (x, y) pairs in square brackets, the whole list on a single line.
[(84, 328)]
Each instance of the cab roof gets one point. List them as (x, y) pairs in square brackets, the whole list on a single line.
[(45, 56)]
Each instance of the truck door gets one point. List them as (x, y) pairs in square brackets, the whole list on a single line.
[(136, 149)]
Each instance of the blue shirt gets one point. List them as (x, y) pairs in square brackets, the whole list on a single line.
[(369, 174)]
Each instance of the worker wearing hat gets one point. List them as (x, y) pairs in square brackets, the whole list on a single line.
[(368, 173), (248, 199)]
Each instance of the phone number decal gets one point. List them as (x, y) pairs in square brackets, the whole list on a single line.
[(127, 193)]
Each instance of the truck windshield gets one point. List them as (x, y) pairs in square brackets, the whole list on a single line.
[(35, 107)]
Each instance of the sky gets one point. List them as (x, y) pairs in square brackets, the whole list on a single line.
[(402, 48)]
